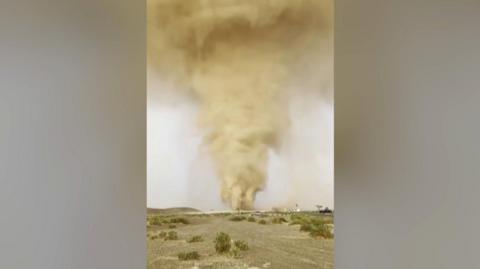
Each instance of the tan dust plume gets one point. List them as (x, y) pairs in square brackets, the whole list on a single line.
[(235, 58)]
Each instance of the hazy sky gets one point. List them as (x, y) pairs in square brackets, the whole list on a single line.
[(180, 173)]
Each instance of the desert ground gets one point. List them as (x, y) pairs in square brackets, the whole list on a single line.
[(276, 240)]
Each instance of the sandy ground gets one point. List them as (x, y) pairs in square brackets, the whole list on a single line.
[(275, 246)]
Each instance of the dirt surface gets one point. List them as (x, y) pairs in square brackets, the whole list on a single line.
[(275, 246)]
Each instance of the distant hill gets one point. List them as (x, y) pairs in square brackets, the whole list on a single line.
[(172, 210)]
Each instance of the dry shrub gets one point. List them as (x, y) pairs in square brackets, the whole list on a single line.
[(187, 256), (171, 235), (237, 218), (222, 242), (196, 238), (241, 245)]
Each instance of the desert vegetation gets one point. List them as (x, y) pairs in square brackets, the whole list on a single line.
[(241, 245), (231, 240), (179, 220), (194, 239), (222, 243), (237, 218), (279, 220), (225, 245), (156, 221), (316, 226), (172, 235), (187, 256)]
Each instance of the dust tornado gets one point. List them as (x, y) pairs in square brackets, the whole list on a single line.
[(234, 58)]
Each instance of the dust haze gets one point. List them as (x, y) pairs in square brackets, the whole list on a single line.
[(250, 85)]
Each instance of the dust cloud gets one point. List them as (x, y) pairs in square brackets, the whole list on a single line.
[(243, 62)]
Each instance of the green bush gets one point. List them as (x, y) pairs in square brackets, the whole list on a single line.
[(187, 256), (305, 219), (153, 236), (171, 235), (241, 245), (262, 221), (251, 219), (235, 253), (317, 221), (222, 243), (278, 220), (237, 218), (321, 231), (196, 238), (179, 220), (156, 221), (316, 226), (298, 219)]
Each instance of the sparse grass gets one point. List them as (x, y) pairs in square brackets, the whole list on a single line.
[(171, 235), (153, 236), (297, 219), (241, 245), (321, 231), (235, 253), (314, 225), (279, 239), (327, 219), (187, 256), (237, 218), (238, 247), (306, 227), (196, 238), (222, 242)]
